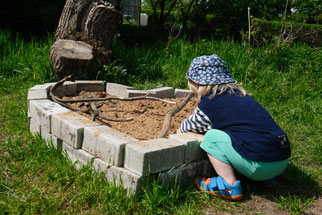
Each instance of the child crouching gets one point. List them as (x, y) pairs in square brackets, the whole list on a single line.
[(240, 134)]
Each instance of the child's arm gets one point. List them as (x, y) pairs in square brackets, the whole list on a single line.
[(198, 122)]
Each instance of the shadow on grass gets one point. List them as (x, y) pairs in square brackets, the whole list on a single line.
[(294, 182)]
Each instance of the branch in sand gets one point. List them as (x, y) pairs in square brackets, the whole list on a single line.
[(63, 103), (115, 98), (167, 120)]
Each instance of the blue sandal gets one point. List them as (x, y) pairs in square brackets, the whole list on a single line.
[(217, 186)]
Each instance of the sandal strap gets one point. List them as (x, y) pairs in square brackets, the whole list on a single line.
[(216, 183), (220, 183), (213, 184)]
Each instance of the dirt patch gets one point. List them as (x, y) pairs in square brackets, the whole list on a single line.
[(148, 115), (315, 208)]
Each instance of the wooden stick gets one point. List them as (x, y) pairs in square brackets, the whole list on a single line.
[(167, 120), (61, 82), (115, 98), (114, 119), (62, 103), (95, 111)]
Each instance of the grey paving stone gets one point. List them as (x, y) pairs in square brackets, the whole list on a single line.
[(179, 93), (69, 127), (78, 157), (183, 175), (106, 143), (45, 86), (192, 141), (136, 93), (90, 86), (186, 174), (34, 126), (120, 176), (51, 139), (69, 88), (42, 110), (39, 91), (208, 169), (163, 92), (45, 134), (153, 156), (118, 90)]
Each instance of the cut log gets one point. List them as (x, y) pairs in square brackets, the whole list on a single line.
[(72, 57)]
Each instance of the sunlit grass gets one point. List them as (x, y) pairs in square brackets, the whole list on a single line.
[(35, 179)]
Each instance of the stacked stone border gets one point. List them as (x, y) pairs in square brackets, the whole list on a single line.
[(123, 159)]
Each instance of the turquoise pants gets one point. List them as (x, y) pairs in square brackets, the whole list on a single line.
[(218, 144)]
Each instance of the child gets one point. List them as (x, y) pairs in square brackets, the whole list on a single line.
[(240, 134)]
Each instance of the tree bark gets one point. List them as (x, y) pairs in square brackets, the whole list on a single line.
[(89, 20), (93, 21), (72, 57)]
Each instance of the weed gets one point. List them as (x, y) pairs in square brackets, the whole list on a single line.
[(293, 204)]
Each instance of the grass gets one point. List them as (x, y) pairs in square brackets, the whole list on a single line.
[(35, 179)]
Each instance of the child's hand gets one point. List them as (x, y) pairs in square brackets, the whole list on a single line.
[(177, 131)]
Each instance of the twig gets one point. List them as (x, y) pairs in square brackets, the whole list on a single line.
[(95, 111), (98, 113), (62, 102), (114, 98), (114, 119), (167, 120)]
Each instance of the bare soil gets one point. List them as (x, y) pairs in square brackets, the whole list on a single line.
[(148, 115)]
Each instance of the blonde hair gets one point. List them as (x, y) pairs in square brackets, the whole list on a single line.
[(201, 90)]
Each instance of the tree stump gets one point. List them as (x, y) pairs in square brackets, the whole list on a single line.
[(92, 21), (71, 57)]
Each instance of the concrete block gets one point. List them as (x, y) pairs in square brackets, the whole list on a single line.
[(136, 93), (45, 134), (192, 141), (120, 176), (179, 93), (42, 110), (57, 143), (118, 90), (78, 157), (182, 175), (90, 86), (69, 127), (106, 143), (34, 126), (51, 139), (153, 156), (39, 91), (45, 86), (163, 92), (69, 88)]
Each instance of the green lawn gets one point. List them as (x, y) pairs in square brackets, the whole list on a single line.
[(35, 179)]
